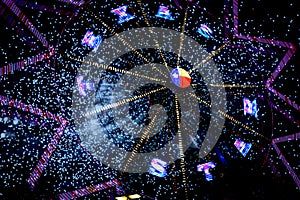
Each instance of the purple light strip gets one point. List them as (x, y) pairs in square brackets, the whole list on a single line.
[(5, 101), (226, 20), (6, 15), (235, 17), (12, 6), (274, 169), (29, 61), (88, 190), (35, 175), (270, 162), (255, 39), (280, 66), (294, 136), (287, 165), (267, 41), (69, 195), (284, 60), (43, 8), (286, 114), (256, 49), (178, 4), (283, 112), (43, 161), (75, 3), (23, 118), (282, 63), (287, 100)]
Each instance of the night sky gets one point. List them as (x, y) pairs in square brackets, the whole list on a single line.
[(91, 110)]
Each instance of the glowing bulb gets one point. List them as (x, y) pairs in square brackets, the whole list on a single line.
[(134, 196)]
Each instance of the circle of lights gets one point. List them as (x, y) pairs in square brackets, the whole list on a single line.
[(85, 112)]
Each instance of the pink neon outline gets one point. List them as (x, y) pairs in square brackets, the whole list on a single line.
[(288, 55), (291, 51), (29, 61), (294, 136), (287, 165), (43, 161), (12, 6), (88, 190)]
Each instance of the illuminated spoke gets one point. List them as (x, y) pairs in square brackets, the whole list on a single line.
[(116, 69), (151, 31), (181, 37), (232, 118), (209, 57), (143, 139), (127, 44), (181, 148), (124, 101)]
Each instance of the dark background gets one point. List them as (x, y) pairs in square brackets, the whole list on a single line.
[(48, 85)]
